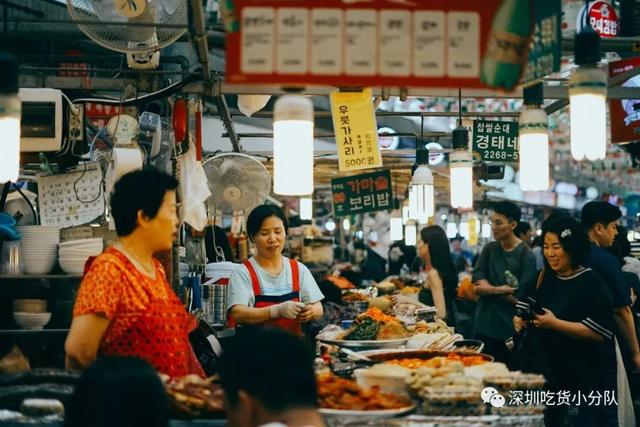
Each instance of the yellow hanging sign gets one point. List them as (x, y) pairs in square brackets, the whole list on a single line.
[(354, 123), (473, 232)]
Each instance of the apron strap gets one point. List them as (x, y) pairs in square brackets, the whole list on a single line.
[(295, 275), (255, 283)]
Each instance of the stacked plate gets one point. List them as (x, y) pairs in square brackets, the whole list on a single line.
[(39, 248), (73, 254)]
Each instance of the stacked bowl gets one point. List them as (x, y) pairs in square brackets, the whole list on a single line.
[(39, 248), (31, 313), (73, 254)]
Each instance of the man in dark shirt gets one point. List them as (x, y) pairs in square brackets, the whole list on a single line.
[(503, 270), (600, 221)]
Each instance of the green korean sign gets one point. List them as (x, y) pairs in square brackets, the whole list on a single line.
[(367, 192), (545, 48), (495, 141)]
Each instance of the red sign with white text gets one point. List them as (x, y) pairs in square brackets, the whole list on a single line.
[(409, 43), (625, 113), (603, 19)]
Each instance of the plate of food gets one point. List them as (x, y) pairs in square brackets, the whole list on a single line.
[(371, 329), (342, 397), (367, 413)]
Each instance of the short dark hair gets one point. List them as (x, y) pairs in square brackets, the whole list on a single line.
[(522, 228), (140, 190), (572, 237), (259, 214), (508, 209), (597, 212), (272, 366), (107, 393)]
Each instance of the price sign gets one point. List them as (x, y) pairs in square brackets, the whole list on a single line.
[(362, 193), (354, 123), (495, 141)]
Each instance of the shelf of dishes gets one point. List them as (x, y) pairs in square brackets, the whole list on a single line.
[(40, 250)]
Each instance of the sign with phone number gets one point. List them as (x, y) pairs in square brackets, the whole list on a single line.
[(495, 141), (367, 192)]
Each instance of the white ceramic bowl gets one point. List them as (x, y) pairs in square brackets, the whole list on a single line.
[(39, 265), (72, 266), (97, 242), (31, 320)]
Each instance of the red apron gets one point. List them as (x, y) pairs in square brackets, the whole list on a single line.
[(290, 325), (158, 335)]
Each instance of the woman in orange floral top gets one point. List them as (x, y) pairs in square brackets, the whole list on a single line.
[(125, 306)]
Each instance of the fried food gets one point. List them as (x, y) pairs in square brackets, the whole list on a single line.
[(195, 397), (340, 393)]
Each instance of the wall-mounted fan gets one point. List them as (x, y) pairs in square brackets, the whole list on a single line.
[(238, 182), (139, 28)]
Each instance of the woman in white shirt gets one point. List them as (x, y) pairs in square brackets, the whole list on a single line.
[(270, 289)]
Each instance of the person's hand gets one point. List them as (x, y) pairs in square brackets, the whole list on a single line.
[(405, 299), (505, 290), (306, 314), (286, 310), (519, 323), (546, 320)]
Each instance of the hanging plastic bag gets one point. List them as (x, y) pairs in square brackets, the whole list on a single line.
[(194, 190)]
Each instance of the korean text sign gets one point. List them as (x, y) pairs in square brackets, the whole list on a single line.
[(354, 125), (367, 192), (495, 141), (545, 49), (436, 43)]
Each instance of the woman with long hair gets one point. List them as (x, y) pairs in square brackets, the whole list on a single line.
[(439, 288)]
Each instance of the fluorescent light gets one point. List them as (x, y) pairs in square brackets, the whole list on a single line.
[(461, 176), (452, 230), (346, 224), (395, 229), (410, 234), (587, 100), (10, 115), (534, 149), (306, 208), (461, 170), (293, 146), (421, 197)]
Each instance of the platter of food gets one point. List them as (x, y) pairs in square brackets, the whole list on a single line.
[(343, 397)]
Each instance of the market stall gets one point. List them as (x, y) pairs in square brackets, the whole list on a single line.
[(379, 134)]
